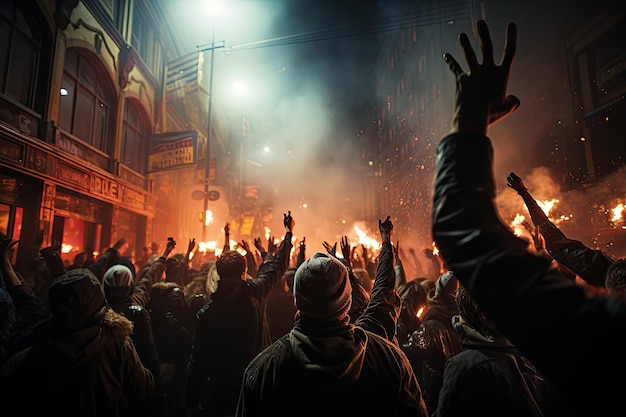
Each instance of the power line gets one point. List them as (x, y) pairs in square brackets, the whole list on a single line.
[(446, 13)]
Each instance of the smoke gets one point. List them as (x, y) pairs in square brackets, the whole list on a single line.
[(309, 101), (582, 214)]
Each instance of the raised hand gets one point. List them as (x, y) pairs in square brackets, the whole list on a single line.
[(244, 244), (271, 246), (481, 98), (396, 249), (331, 249), (119, 244), (515, 182), (345, 248), (386, 229), (288, 221), (258, 245), (6, 244), (192, 245), (171, 244)]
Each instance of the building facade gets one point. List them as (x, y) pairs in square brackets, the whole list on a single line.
[(84, 113)]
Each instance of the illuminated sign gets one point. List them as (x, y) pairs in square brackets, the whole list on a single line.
[(172, 150)]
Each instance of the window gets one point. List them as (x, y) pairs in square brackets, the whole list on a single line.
[(135, 138), (20, 47), (86, 104), (145, 42)]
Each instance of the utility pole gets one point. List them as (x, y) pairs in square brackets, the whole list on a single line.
[(207, 156)]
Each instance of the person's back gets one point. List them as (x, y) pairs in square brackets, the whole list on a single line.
[(327, 365), (86, 366), (118, 285), (435, 341), (490, 376), (281, 308), (172, 326), (232, 328)]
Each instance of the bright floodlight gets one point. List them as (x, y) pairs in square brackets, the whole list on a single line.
[(238, 88), (214, 8)]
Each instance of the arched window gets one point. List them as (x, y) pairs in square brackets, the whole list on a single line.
[(20, 47), (135, 138), (86, 109)]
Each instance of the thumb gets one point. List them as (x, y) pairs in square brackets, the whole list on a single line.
[(508, 106)]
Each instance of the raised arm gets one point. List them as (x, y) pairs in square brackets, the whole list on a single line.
[(382, 311), (590, 264), (271, 270), (496, 267)]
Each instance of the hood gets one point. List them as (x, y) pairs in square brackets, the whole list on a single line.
[(336, 359), (74, 349)]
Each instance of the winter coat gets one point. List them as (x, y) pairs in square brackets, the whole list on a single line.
[(93, 371), (575, 341), (230, 330), (349, 369), (435, 341), (490, 377)]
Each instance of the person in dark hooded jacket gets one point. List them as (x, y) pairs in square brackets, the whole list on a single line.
[(435, 340), (490, 376), (86, 366), (574, 339), (232, 328), (328, 366)]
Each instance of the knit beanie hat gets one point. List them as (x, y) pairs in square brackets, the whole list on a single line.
[(321, 288), (75, 298), (118, 276)]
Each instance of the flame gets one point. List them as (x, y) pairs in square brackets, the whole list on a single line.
[(521, 226), (207, 246), (66, 248), (435, 249), (518, 224), (365, 240), (547, 205), (618, 212)]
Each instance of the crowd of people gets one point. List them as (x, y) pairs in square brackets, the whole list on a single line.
[(501, 326)]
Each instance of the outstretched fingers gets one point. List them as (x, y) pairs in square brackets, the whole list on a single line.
[(470, 55), (486, 45), (453, 64), (510, 46)]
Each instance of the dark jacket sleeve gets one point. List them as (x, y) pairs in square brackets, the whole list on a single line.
[(381, 314), (544, 313), (589, 264)]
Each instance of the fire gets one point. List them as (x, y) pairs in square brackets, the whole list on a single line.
[(547, 205), (520, 225), (365, 240), (618, 212), (207, 246)]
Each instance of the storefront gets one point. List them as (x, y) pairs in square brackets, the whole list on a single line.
[(78, 207)]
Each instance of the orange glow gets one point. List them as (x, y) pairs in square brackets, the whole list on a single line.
[(518, 224), (365, 240), (204, 247), (435, 249), (618, 212)]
